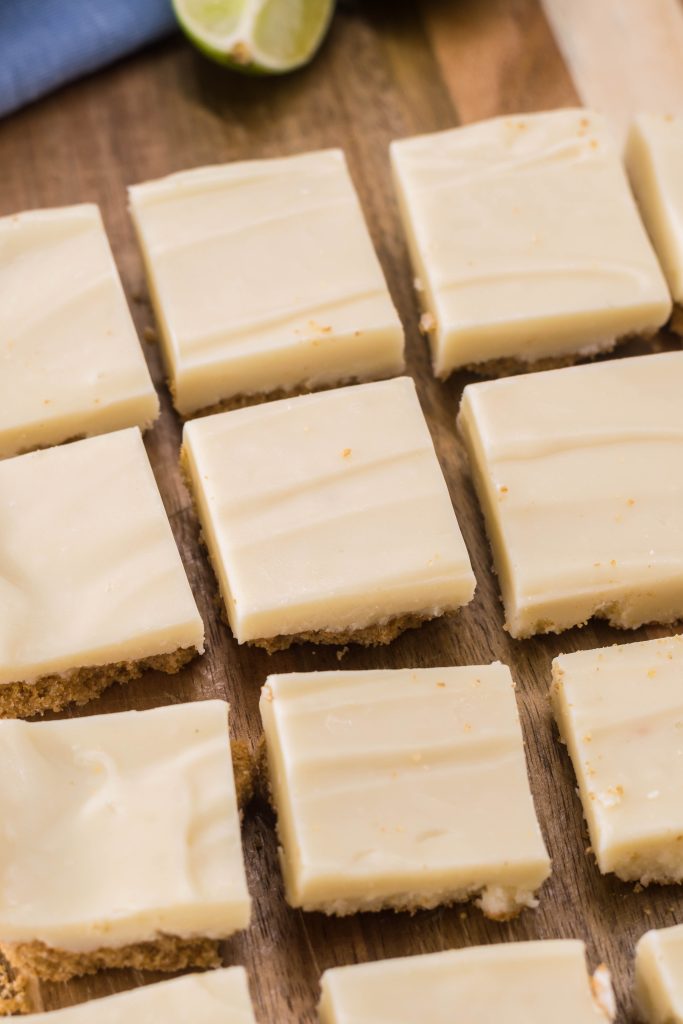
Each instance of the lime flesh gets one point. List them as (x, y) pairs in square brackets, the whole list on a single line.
[(267, 36)]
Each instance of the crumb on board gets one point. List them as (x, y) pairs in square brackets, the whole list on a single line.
[(427, 323)]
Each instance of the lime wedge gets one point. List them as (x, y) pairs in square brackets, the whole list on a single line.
[(264, 36)]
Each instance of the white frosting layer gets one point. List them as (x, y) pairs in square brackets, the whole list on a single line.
[(515, 982), (70, 360), (654, 159), (659, 976), (215, 997), (580, 475), (526, 239), (264, 277), (404, 787), (620, 712), (327, 512), (119, 827), (89, 571)]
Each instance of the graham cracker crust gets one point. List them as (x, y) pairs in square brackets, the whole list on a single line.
[(55, 692), (50, 444), (414, 903), (165, 953), (262, 787), (260, 397), (368, 636), (14, 997), (509, 366), (245, 770)]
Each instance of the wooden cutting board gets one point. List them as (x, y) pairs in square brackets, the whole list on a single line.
[(388, 70)]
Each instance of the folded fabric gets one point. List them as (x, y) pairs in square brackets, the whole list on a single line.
[(46, 43)]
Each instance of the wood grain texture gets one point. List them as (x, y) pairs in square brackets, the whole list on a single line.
[(386, 71)]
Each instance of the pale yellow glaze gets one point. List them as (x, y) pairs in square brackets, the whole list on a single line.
[(580, 475), (514, 983), (620, 712), (264, 277), (402, 788), (526, 240), (214, 997), (70, 360), (654, 160), (659, 976), (116, 828), (327, 512), (89, 571)]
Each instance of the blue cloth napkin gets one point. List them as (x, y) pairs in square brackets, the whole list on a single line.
[(46, 43)]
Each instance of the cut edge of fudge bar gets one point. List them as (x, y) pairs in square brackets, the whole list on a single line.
[(95, 431), (54, 692), (649, 1004), (375, 635), (654, 863), (496, 902), (510, 366), (651, 996), (650, 166), (468, 436), (245, 401), (165, 953)]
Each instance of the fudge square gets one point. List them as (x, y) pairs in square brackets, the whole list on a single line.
[(71, 363), (620, 712), (121, 841), (92, 589), (659, 976), (526, 242), (402, 788), (579, 473), (264, 280), (327, 517), (214, 997), (654, 160), (514, 982)]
